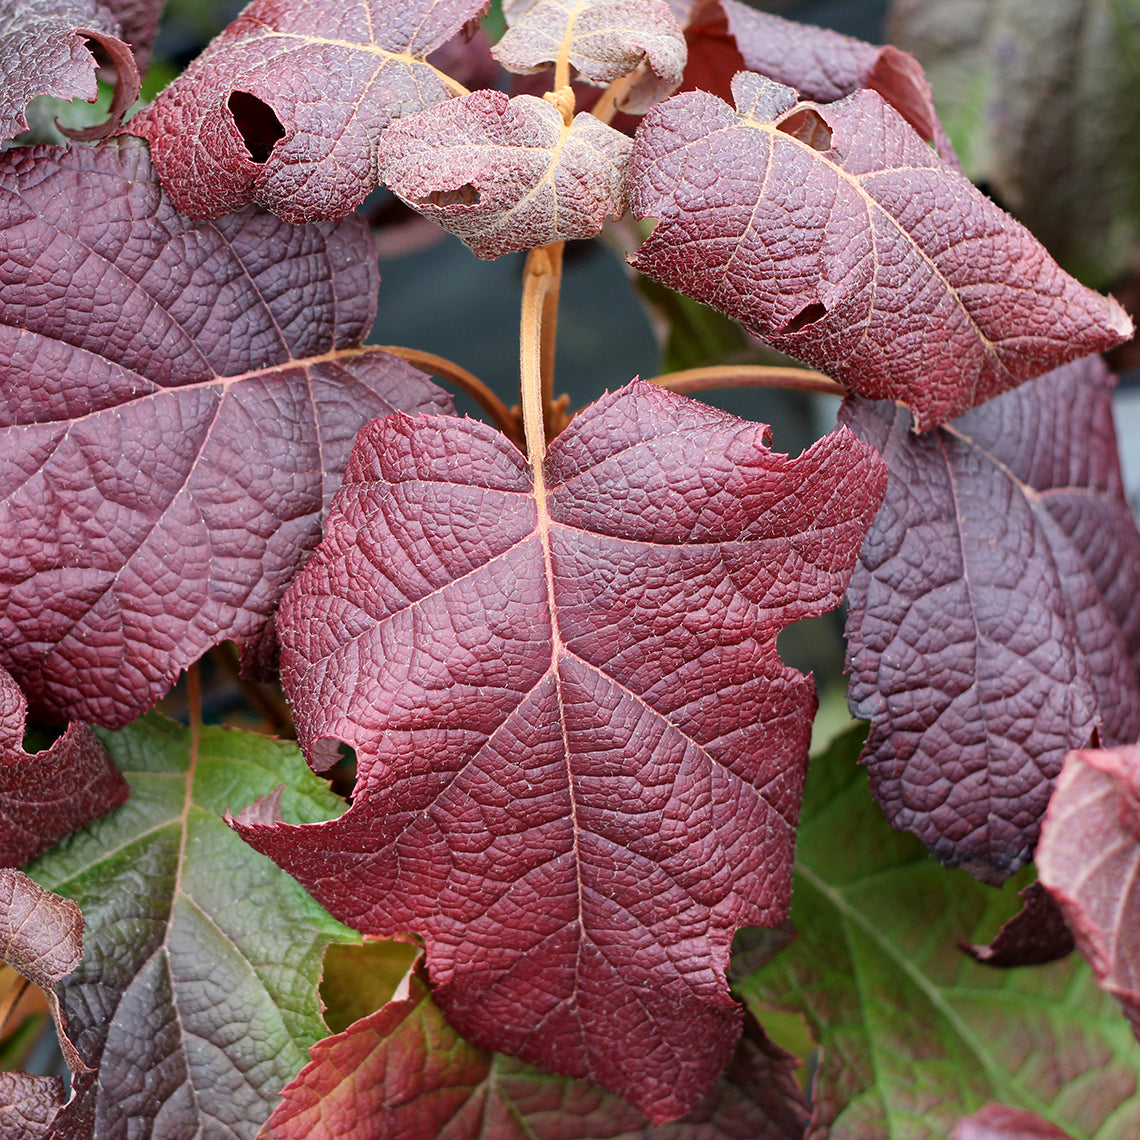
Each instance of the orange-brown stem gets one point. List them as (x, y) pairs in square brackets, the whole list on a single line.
[(748, 376)]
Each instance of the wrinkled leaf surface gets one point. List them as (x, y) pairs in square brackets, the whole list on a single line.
[(49, 794), (196, 997), (178, 400), (993, 620), (507, 174), (1089, 859), (579, 754), (403, 1073), (839, 236), (284, 108), (1035, 935), (27, 1105), (914, 1034)]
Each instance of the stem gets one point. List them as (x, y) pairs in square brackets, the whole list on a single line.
[(9, 1002), (541, 281), (749, 376), (606, 107), (267, 700), (463, 380), (194, 701)]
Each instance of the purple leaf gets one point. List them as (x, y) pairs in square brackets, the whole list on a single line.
[(1037, 934), (47, 795), (28, 1105), (992, 622), (580, 757), (1089, 859), (1000, 1122), (507, 174), (179, 398), (43, 52), (284, 108), (838, 235)]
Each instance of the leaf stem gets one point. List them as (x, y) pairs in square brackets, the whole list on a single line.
[(606, 106), (748, 376), (463, 380), (10, 1000), (542, 279), (194, 700)]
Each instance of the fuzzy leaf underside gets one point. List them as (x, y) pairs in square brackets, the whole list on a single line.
[(178, 402), (992, 621), (403, 1073), (579, 754), (913, 1033), (325, 78), (835, 233), (196, 997), (49, 794), (507, 174)]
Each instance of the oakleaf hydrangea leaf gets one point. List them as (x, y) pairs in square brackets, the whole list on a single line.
[(1035, 935), (28, 1105), (507, 174), (284, 108), (196, 998), (47, 795), (1000, 1122), (178, 399), (1089, 859), (993, 621), (42, 52), (403, 1073), (913, 1033), (579, 755), (602, 40), (839, 236)]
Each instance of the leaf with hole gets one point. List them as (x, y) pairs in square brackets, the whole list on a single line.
[(179, 399), (507, 174), (839, 236), (992, 622), (284, 108), (579, 755)]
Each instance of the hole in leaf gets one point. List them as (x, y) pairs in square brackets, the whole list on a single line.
[(806, 316), (258, 123), (809, 126), (465, 195)]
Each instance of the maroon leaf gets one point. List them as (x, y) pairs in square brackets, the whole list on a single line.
[(41, 937), (992, 618), (602, 40), (43, 52), (285, 106), (1089, 859), (507, 174), (580, 758), (178, 400), (403, 1073), (1037, 934), (47, 795), (139, 21), (839, 236), (28, 1105), (1000, 1122)]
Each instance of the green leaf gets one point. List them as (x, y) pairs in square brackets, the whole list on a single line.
[(196, 999), (914, 1033)]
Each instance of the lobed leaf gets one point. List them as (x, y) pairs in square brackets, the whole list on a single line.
[(1089, 858), (178, 403), (507, 174), (48, 794), (839, 236), (992, 622), (196, 997), (913, 1033), (602, 41), (403, 1073), (579, 756), (285, 107), (43, 52)]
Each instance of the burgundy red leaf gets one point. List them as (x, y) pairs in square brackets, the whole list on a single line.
[(579, 755), (507, 174), (28, 1105), (1000, 1122), (47, 795), (1089, 859), (839, 236), (993, 623), (284, 108), (602, 40), (1037, 934), (43, 51), (179, 399), (403, 1073)]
